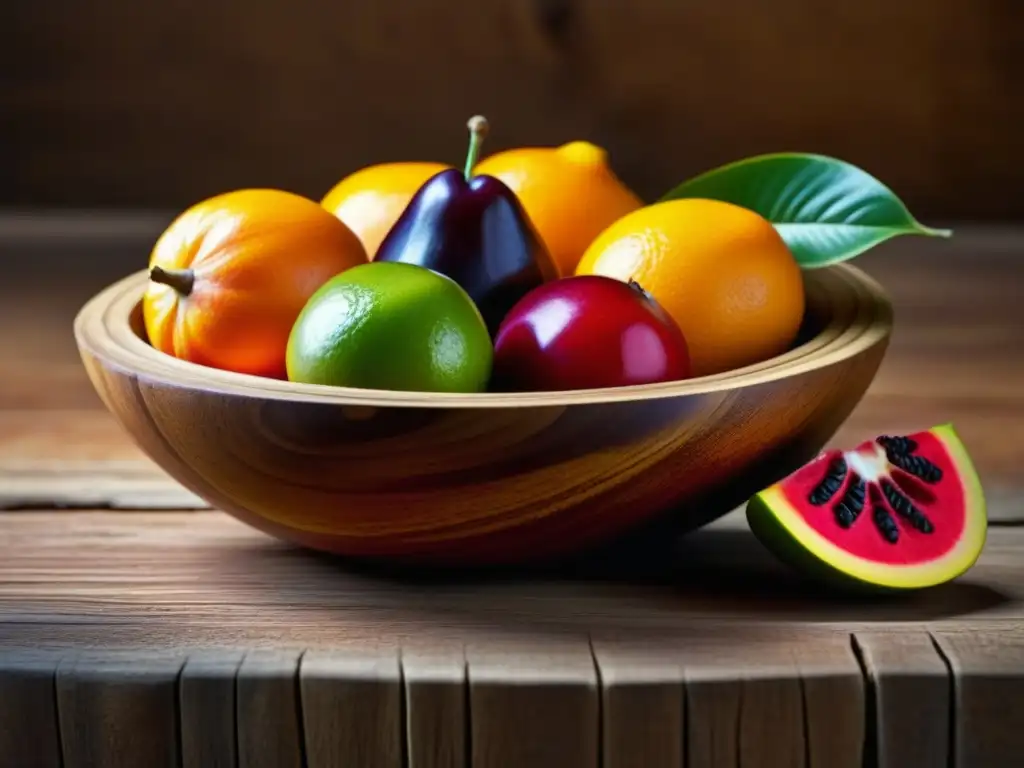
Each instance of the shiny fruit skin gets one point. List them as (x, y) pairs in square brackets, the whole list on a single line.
[(569, 192), (584, 333), (257, 255), (476, 233), (391, 326), (722, 271), (371, 199)]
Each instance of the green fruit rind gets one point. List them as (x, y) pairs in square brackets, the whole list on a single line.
[(826, 210), (389, 326), (780, 527)]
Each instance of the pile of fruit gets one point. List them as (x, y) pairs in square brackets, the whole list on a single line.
[(532, 269), (537, 269)]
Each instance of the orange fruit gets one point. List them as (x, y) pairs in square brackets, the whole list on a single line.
[(721, 271), (370, 200), (230, 275), (569, 192)]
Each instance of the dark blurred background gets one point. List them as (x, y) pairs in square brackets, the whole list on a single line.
[(120, 103)]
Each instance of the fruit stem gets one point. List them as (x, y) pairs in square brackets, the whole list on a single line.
[(478, 127), (638, 288), (181, 280)]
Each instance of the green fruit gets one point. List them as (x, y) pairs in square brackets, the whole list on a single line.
[(394, 326)]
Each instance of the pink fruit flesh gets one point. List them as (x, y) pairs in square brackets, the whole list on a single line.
[(928, 534)]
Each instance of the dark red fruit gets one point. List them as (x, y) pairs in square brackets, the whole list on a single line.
[(586, 332)]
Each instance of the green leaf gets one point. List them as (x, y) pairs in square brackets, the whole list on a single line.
[(826, 210)]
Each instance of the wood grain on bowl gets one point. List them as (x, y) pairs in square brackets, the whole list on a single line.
[(483, 478)]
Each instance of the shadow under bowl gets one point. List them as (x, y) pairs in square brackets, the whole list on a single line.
[(493, 478)]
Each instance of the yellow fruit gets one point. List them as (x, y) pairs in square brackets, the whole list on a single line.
[(722, 271), (370, 200), (569, 192)]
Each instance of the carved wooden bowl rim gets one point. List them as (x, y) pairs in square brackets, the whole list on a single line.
[(858, 311)]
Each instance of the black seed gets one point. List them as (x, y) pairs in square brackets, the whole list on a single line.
[(844, 515), (832, 482), (885, 524), (856, 492), (900, 503), (917, 491), (897, 443), (918, 466), (848, 508), (905, 508), (899, 452)]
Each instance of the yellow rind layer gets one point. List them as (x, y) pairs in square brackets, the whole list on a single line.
[(771, 515)]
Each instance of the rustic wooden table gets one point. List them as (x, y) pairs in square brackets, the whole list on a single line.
[(138, 628)]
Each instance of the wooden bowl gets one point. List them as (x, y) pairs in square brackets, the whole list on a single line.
[(486, 478)]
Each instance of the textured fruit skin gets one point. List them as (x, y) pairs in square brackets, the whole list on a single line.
[(785, 528), (394, 327), (569, 192), (257, 255), (722, 272), (476, 233), (371, 199), (587, 332)]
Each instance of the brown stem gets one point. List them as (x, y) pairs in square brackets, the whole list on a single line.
[(180, 280), (639, 288)]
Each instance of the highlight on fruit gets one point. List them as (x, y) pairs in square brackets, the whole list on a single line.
[(576, 282), (899, 512), (587, 332)]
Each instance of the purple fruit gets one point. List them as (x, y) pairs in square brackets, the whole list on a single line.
[(474, 230)]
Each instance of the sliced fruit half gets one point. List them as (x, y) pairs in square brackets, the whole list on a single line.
[(896, 512)]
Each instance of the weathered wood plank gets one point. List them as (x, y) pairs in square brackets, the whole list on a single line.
[(207, 700), (643, 704), (988, 684), (728, 696), (533, 703), (834, 703), (269, 730), (436, 706), (744, 705), (910, 689), (352, 708), (29, 727), (100, 485), (119, 708), (122, 572)]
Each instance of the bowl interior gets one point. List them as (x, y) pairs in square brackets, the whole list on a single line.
[(846, 311)]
